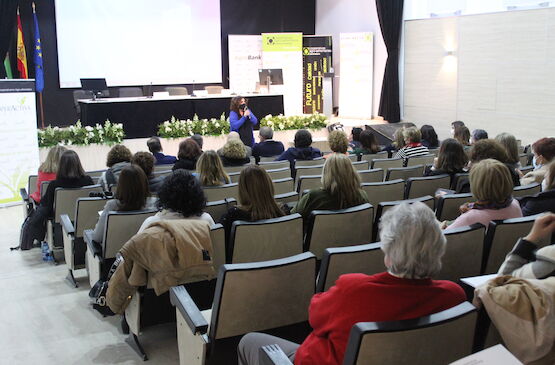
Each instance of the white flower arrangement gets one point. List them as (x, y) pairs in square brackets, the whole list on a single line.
[(109, 133)]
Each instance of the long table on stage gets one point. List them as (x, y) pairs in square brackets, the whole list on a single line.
[(141, 116)]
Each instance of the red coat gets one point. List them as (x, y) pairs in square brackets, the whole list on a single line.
[(363, 298), (42, 176)]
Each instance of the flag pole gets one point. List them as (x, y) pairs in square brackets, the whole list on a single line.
[(41, 110)]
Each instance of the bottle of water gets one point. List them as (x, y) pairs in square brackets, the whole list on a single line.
[(45, 251)]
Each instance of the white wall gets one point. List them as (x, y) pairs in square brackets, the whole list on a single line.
[(343, 16)]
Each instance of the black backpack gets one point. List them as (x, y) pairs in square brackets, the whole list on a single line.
[(33, 228)]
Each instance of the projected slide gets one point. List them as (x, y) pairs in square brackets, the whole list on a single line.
[(139, 42)]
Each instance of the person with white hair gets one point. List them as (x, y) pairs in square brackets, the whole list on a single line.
[(267, 146), (231, 136), (413, 244)]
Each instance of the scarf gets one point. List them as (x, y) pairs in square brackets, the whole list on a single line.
[(481, 205)]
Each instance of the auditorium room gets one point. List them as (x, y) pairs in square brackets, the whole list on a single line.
[(242, 182)]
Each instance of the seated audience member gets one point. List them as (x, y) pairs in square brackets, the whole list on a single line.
[(492, 186), (454, 125), (48, 169), (256, 199), (155, 147), (462, 134), (340, 188), (544, 153), (338, 142), (302, 149), (234, 153), (398, 141), (70, 175), (187, 156), (235, 136), (510, 145), (368, 144), (180, 197), (354, 139), (528, 259), (451, 159), (413, 245), (543, 201), (210, 170), (131, 194), (478, 134), (413, 146), (198, 139), (429, 136), (267, 146), (145, 161), (118, 158)]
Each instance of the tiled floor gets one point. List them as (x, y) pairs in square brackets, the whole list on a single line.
[(43, 320)]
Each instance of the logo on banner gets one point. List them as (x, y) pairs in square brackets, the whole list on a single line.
[(282, 42)]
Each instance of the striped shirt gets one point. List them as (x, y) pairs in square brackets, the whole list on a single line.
[(408, 152)]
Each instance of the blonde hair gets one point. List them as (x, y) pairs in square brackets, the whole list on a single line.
[(338, 141), (50, 165), (211, 169), (341, 180), (413, 134), (234, 149), (399, 140), (490, 181), (508, 141), (256, 194)]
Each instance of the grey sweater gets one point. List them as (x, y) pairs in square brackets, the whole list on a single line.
[(527, 262)]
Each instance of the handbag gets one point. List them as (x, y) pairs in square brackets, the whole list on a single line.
[(98, 292)]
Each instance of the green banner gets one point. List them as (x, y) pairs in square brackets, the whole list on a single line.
[(282, 42), (317, 52)]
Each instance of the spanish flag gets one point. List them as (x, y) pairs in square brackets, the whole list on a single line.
[(21, 55)]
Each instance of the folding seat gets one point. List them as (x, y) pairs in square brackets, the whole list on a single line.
[(386, 163), (353, 158), (215, 193), (463, 252), (315, 162), (384, 191), (526, 190), (271, 297), (289, 198), (308, 171), (385, 206), (218, 208), (282, 186), (360, 165), (268, 159), (447, 206), (404, 173), (274, 165), (373, 175), (308, 182), (95, 175), (374, 156), (232, 169), (164, 167), (426, 185), (280, 173), (421, 160)]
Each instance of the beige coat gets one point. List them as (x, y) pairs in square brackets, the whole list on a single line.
[(534, 176), (166, 254), (523, 311)]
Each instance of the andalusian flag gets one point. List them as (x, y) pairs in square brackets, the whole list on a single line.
[(21, 55), (39, 75), (8, 66)]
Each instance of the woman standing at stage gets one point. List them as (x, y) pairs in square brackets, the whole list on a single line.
[(242, 120)]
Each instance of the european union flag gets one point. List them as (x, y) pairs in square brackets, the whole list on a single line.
[(39, 74)]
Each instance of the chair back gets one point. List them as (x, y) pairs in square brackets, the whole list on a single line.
[(427, 185), (268, 159), (384, 191), (434, 151), (32, 184), (404, 173), (369, 176), (95, 175), (164, 167), (309, 182), (353, 158), (457, 177), (215, 193), (218, 208), (315, 162), (374, 156), (234, 177), (338, 228), (65, 200), (214, 89), (524, 159), (291, 197), (129, 92), (233, 169), (176, 90), (282, 173), (308, 171), (336, 261), (120, 227), (386, 163), (360, 165), (500, 239), (262, 295), (86, 213), (447, 206), (43, 188), (267, 239), (273, 165), (463, 252), (527, 190), (217, 236), (385, 206), (421, 160), (282, 186), (436, 339)]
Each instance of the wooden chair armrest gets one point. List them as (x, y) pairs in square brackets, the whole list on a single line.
[(181, 299), (67, 226), (24, 194)]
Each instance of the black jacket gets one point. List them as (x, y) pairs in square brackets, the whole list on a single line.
[(539, 203), (267, 149), (185, 164)]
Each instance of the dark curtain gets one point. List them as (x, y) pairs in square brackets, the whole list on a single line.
[(8, 11), (390, 13)]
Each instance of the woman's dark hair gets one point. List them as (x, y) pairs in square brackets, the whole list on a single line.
[(462, 134), (457, 124), (369, 142), (303, 138), (356, 133), (189, 150), (132, 189), (70, 166), (235, 102), (451, 157), (429, 134), (118, 153), (479, 134), (145, 161), (545, 147), (488, 148), (181, 192)]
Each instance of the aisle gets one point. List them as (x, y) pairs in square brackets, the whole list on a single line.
[(45, 321)]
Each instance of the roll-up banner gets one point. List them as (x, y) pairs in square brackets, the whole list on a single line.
[(317, 53), (245, 59), (18, 137)]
